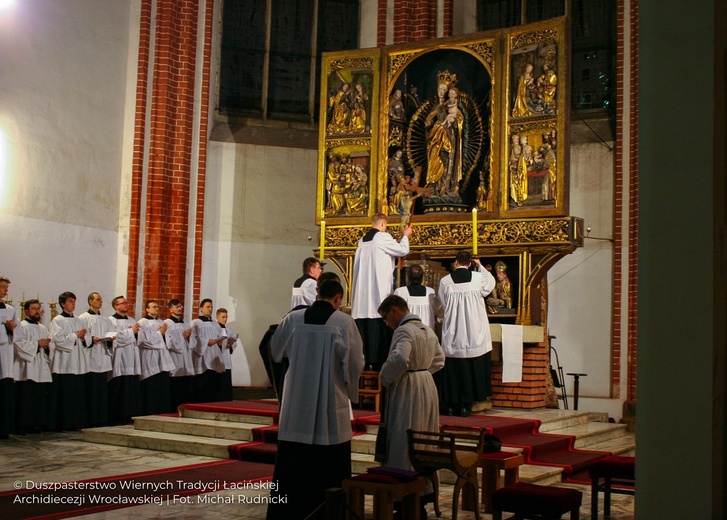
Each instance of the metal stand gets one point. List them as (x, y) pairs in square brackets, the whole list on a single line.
[(576, 384), (558, 377)]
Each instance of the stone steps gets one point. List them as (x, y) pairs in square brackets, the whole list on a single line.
[(158, 441), (209, 434), (233, 431), (228, 417)]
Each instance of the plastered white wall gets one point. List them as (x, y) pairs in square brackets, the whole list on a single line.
[(62, 102), (259, 213)]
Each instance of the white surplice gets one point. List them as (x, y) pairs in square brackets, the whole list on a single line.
[(206, 356), (326, 362), (426, 307), (98, 357), (68, 357), (305, 294), (153, 352), (7, 357), (125, 361), (465, 328), (228, 347), (179, 348), (373, 273), (31, 362)]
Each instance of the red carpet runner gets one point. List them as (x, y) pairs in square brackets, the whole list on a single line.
[(263, 447), (169, 486), (541, 449)]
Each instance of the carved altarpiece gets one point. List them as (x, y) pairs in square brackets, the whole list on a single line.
[(432, 131)]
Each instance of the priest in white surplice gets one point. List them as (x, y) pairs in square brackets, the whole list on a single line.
[(33, 379), (177, 335), (412, 401), (70, 337), (373, 280), (314, 441), (8, 323), (304, 288), (124, 389), (98, 360), (206, 342), (466, 336), (420, 299), (156, 363)]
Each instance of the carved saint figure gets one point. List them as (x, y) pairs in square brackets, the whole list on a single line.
[(444, 140), (547, 84), (396, 106), (501, 296), (340, 103), (357, 195), (358, 110), (524, 86), (518, 170)]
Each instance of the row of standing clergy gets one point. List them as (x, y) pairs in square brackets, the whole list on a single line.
[(136, 358), (119, 344)]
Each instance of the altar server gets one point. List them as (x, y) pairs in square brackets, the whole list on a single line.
[(33, 379), (8, 323), (177, 336), (70, 337), (98, 360), (206, 341), (373, 280), (224, 392), (420, 299), (314, 440), (124, 389), (156, 363), (304, 288), (466, 336)]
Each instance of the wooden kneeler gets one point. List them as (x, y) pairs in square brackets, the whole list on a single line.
[(432, 451)]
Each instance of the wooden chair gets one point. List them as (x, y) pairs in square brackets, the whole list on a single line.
[(460, 453), (369, 387)]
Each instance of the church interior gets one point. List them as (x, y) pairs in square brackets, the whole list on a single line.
[(164, 149)]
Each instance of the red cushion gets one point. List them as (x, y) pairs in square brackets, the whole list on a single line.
[(533, 499), (614, 467)]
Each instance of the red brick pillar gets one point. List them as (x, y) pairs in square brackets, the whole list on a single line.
[(413, 20), (170, 145)]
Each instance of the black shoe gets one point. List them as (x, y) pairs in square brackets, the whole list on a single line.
[(449, 411), (464, 412)]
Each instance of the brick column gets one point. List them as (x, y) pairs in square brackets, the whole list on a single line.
[(413, 20), (166, 135)]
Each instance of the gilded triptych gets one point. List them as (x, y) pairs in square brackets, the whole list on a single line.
[(434, 130)]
